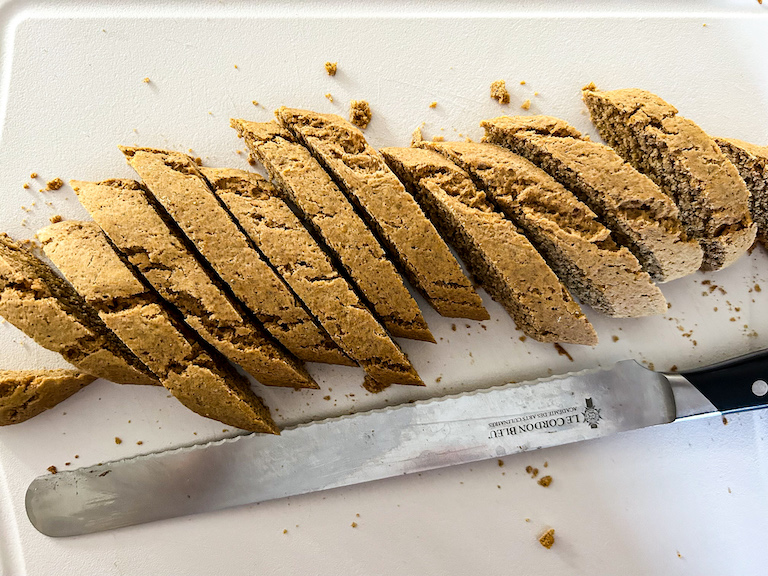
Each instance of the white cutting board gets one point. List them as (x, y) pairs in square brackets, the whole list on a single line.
[(71, 90)]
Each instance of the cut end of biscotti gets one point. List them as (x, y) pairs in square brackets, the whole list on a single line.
[(27, 393)]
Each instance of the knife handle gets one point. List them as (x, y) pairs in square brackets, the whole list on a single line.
[(734, 385)]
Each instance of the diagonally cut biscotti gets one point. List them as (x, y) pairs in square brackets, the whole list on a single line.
[(290, 248), (124, 212), (502, 259), (686, 164), (301, 180), (642, 217), (174, 180), (389, 210), (200, 379), (27, 393), (752, 163), (576, 246), (43, 306)]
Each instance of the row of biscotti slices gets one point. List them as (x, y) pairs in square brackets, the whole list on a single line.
[(220, 244)]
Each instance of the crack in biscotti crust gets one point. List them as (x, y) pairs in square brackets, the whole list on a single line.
[(43, 306), (172, 351), (173, 179), (27, 393), (123, 211), (685, 163), (289, 246), (752, 163), (301, 180), (503, 260), (576, 246), (641, 216), (411, 239)]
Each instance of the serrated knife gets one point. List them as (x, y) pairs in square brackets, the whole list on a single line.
[(488, 423)]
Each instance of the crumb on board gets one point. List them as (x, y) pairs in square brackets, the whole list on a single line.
[(118, 440), (331, 67), (285, 530), (55, 218), (417, 136), (545, 481), (546, 464), (438, 379), (372, 386), (236, 68), (522, 82), (438, 138), (54, 184), (146, 80), (25, 185), (255, 102), (326, 397), (453, 327), (563, 352), (354, 524), (330, 98), (548, 538), (433, 105), (725, 421), (499, 91), (526, 105), (615, 338), (501, 462), (590, 86), (33, 175), (52, 469), (532, 471), (360, 113)]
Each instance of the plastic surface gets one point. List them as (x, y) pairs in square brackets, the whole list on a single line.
[(71, 90)]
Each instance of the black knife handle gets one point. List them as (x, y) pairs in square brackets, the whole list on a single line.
[(737, 384)]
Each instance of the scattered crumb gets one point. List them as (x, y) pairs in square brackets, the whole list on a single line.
[(140, 442), (118, 440), (77, 455), (372, 386), (438, 138), (146, 80), (499, 91), (501, 462), (453, 327), (285, 530), (725, 421), (433, 105), (527, 519), (522, 82), (729, 491), (52, 469), (563, 352), (55, 218), (548, 538), (546, 464), (757, 288), (590, 86), (330, 68), (438, 379), (326, 397), (236, 68), (545, 481), (615, 338), (254, 102), (104, 473), (360, 113), (354, 524), (33, 175), (532, 471), (673, 368), (25, 185), (417, 136), (535, 93), (54, 184), (678, 552), (526, 105), (330, 98), (357, 515), (523, 338)]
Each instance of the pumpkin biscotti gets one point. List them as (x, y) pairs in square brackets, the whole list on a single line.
[(390, 211), (290, 248), (43, 306), (642, 217), (174, 180), (201, 380), (686, 164), (124, 212), (27, 393), (502, 259), (300, 178), (752, 163), (575, 245)]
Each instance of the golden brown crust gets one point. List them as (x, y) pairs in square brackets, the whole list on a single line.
[(290, 248), (27, 393), (200, 379), (174, 180), (299, 177), (391, 212), (501, 258), (124, 212)]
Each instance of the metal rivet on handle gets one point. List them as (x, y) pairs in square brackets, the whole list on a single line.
[(759, 387)]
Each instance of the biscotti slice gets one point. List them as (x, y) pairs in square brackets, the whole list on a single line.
[(202, 380), (752, 163), (300, 179), (576, 246), (686, 164), (290, 248), (642, 217), (27, 393), (43, 306), (174, 180), (124, 212), (388, 209), (502, 259)]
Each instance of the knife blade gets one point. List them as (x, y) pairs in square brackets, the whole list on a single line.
[(367, 446)]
